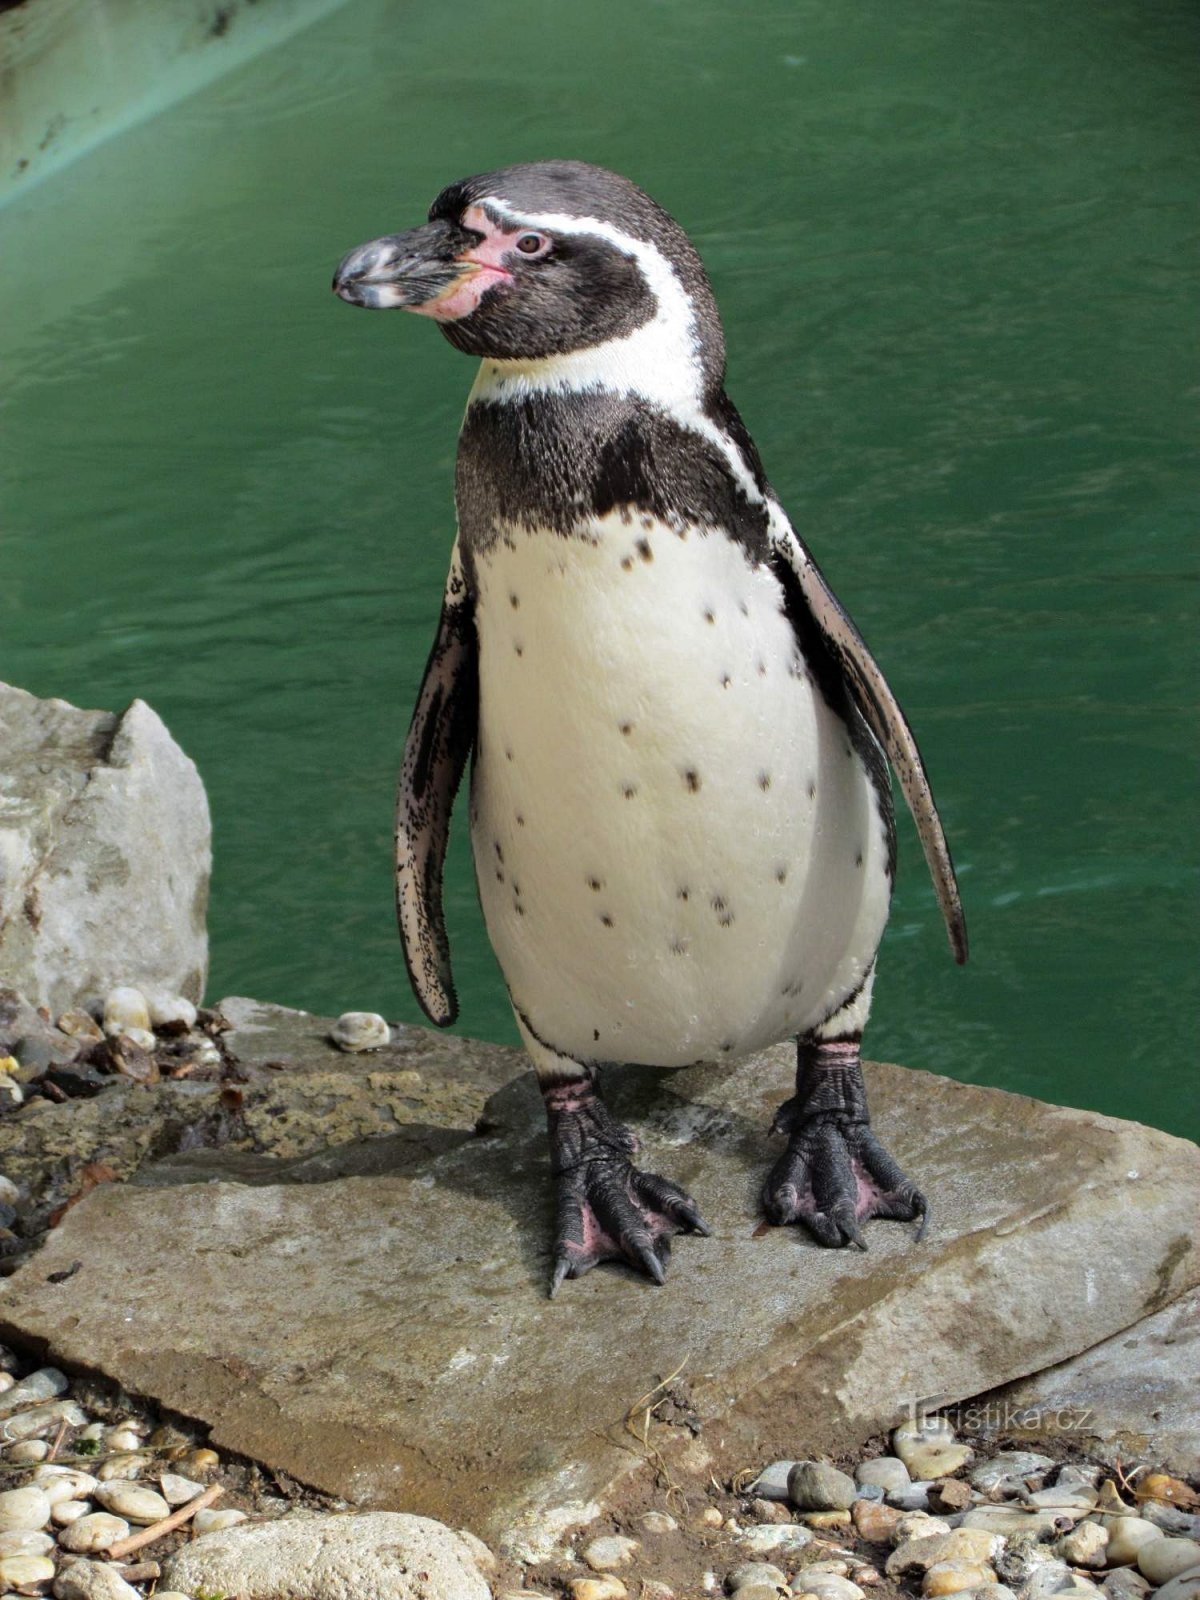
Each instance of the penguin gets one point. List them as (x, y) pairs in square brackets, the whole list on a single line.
[(680, 806)]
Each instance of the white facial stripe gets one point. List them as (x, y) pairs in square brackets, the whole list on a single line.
[(658, 362)]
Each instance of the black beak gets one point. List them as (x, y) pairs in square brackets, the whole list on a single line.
[(404, 269)]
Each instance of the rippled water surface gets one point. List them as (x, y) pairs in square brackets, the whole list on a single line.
[(955, 246)]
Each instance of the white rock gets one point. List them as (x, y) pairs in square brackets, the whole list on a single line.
[(125, 1008), (78, 1024), (209, 1521), (27, 1451), (26, 1507), (1160, 1560), (1185, 1587), (360, 1030), (133, 1501), (755, 1572), (888, 1472), (25, 1572), (605, 1588), (917, 1525), (64, 1483), (47, 1383), (123, 1438), (125, 1464), (92, 1580), (25, 1542), (64, 1512), (764, 1537), (41, 1420), (955, 1577), (94, 1534), (142, 1037), (11, 1089), (1009, 1472), (828, 1586), (1085, 1546), (1009, 1520), (1055, 1578), (329, 1556), (1126, 1536), (659, 1522), (177, 1491), (171, 1011), (9, 1195), (610, 1553), (772, 1481)]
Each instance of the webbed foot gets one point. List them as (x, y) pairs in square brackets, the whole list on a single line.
[(608, 1210), (835, 1174)]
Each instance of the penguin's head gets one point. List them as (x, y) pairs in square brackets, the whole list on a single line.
[(542, 261)]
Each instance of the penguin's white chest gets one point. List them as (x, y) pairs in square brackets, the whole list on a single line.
[(679, 851)]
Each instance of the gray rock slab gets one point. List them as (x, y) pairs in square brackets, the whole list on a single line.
[(388, 1337), (1135, 1396), (105, 853)]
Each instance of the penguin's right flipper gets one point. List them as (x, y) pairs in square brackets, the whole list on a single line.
[(440, 739), (881, 711)]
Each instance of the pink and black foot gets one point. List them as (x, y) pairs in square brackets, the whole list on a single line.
[(835, 1174), (607, 1209)]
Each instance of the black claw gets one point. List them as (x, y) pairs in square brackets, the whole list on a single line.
[(562, 1270)]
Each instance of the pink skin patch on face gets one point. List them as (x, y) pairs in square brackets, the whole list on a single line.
[(484, 265)]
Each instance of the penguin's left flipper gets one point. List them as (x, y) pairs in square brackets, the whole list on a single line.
[(440, 739), (880, 709), (608, 1210)]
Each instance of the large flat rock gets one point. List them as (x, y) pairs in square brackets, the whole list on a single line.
[(387, 1337)]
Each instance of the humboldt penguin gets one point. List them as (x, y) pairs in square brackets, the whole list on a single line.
[(681, 812)]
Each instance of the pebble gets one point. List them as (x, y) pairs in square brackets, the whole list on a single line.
[(1171, 1519), (1009, 1472), (659, 1522), (47, 1383), (610, 1553), (177, 1491), (123, 1438), (756, 1572), (170, 1013), (710, 1517), (928, 1448), (92, 1580), (1125, 1583), (827, 1519), (597, 1589), (829, 1586), (125, 1464), (133, 1501), (1185, 1587), (360, 1030), (27, 1452), (1009, 1520), (200, 1460), (764, 1537), (1126, 1536), (772, 1481), (64, 1483), (10, 1088), (918, 1525), (178, 1594), (952, 1494), (209, 1521), (888, 1472), (25, 1542), (25, 1572), (78, 1025), (1074, 1499), (1160, 1560), (955, 1577), (651, 1590), (9, 1195), (125, 1008), (911, 1496), (956, 1544), (817, 1486), (26, 1507), (94, 1534), (1056, 1578), (41, 1420), (876, 1523), (1085, 1546), (64, 1512)]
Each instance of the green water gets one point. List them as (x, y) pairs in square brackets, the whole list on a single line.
[(955, 245)]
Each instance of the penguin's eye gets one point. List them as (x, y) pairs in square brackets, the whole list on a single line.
[(533, 244)]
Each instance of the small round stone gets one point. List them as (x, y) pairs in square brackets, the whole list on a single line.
[(64, 1483), (917, 1525), (25, 1542), (26, 1452), (910, 1496), (360, 1030), (133, 1501), (611, 1553), (209, 1521), (1009, 1472), (606, 1588), (94, 1534), (125, 1008), (9, 1195), (817, 1486), (1126, 1536), (78, 1025), (1160, 1560), (829, 1585), (1185, 1587), (1125, 1583), (953, 1577), (92, 1580), (125, 1464), (659, 1522), (177, 1491), (710, 1517), (888, 1472), (25, 1572), (1085, 1546), (123, 1438), (201, 1459), (752, 1574), (170, 1013), (875, 1522), (26, 1507), (64, 1512)]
